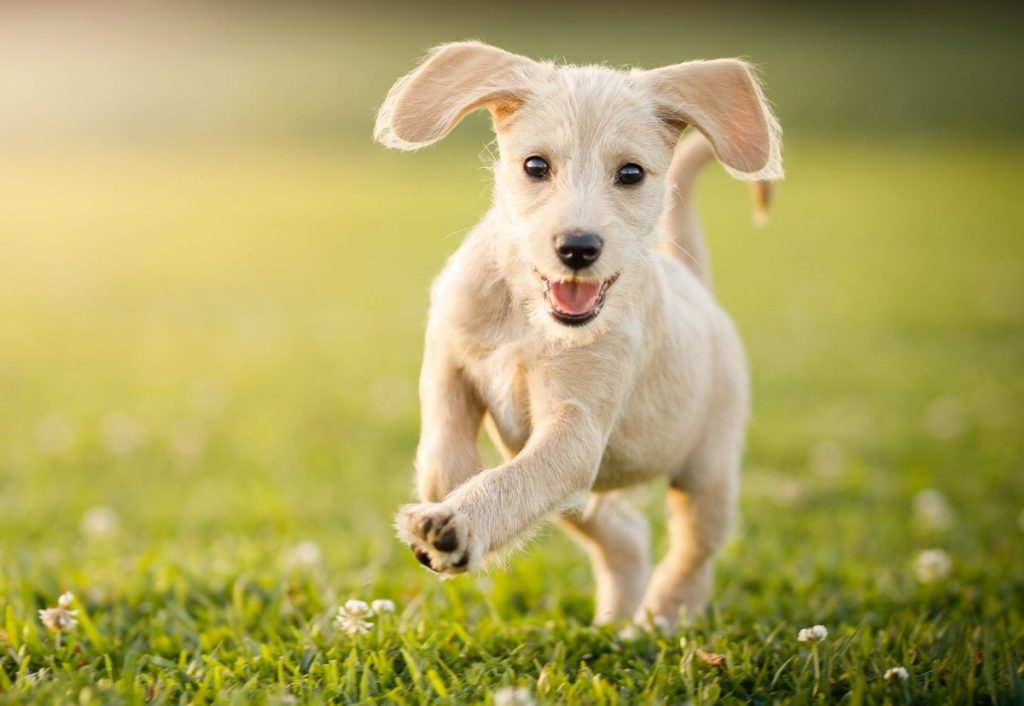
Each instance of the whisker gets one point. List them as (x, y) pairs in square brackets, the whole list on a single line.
[(460, 231), (693, 258)]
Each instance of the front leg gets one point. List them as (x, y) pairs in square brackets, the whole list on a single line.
[(451, 413), (491, 509)]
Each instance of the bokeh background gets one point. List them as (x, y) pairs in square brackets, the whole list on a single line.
[(213, 289)]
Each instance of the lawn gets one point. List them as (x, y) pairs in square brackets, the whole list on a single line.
[(208, 363)]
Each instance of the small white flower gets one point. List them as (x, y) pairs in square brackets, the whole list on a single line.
[(932, 510), (303, 555), (358, 608), (99, 521), (354, 627), (60, 618), (513, 696), (353, 618), (36, 677), (815, 633), (382, 606), (932, 566), (896, 673)]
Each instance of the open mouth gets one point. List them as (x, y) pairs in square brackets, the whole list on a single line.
[(576, 302)]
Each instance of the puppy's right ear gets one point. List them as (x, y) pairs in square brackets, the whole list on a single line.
[(453, 81)]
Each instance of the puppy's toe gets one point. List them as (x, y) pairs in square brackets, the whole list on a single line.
[(440, 538), (421, 556), (447, 541)]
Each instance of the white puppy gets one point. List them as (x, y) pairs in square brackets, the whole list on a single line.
[(577, 321)]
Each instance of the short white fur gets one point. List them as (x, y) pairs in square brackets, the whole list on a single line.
[(656, 385)]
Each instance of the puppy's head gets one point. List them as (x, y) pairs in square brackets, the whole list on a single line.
[(580, 181)]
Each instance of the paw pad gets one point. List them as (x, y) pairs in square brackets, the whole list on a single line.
[(438, 536)]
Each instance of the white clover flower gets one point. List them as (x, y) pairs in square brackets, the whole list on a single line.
[(303, 555), (382, 606), (897, 673), (813, 634), (932, 510), (513, 696), (37, 677), (354, 618), (99, 521), (60, 618), (360, 608), (932, 566)]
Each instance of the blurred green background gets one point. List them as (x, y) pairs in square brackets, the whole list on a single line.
[(213, 289)]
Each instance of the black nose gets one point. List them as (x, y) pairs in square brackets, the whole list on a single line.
[(578, 250)]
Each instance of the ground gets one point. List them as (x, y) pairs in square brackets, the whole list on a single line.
[(233, 393), (208, 363)]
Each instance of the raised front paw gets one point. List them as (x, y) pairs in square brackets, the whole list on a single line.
[(439, 537)]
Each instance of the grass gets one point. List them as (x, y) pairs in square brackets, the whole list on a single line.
[(212, 297), (233, 374)]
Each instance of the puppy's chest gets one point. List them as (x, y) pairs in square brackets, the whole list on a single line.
[(500, 377)]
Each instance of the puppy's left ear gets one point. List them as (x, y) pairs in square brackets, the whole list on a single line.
[(453, 81), (723, 100)]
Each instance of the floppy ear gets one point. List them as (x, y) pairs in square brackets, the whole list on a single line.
[(453, 81), (723, 100)]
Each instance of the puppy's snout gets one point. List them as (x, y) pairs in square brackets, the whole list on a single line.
[(578, 250)]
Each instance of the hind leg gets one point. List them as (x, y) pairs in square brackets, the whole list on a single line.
[(701, 509), (617, 538)]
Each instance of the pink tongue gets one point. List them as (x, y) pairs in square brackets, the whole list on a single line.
[(575, 298)]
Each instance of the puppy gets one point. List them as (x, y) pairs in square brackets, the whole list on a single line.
[(576, 320)]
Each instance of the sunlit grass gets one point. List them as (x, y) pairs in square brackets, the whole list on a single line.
[(222, 349)]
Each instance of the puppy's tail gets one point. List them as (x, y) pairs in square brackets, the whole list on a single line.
[(680, 225)]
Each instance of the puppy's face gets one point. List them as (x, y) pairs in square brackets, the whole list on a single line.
[(580, 187), (580, 183)]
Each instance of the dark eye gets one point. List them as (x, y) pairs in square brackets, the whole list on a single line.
[(537, 167), (629, 174)]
